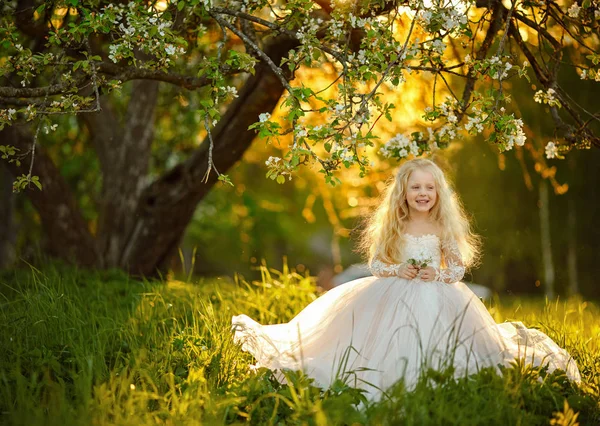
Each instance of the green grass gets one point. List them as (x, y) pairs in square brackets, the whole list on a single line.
[(99, 348)]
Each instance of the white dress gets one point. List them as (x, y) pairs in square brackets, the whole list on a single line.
[(373, 331)]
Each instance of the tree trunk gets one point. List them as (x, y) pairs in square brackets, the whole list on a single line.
[(66, 231), (140, 228), (124, 154), (7, 204), (572, 234), (572, 247), (166, 206), (546, 240)]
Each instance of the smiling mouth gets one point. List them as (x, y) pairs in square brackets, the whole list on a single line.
[(422, 201)]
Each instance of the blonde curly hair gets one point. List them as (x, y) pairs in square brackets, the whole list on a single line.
[(383, 235)]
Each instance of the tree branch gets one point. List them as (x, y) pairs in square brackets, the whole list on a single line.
[(118, 73), (494, 27)]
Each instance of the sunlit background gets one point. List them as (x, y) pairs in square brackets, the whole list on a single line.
[(312, 226)]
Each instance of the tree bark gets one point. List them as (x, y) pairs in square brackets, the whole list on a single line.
[(7, 204), (572, 234), (67, 233), (544, 205), (166, 206), (140, 228), (124, 154), (572, 246)]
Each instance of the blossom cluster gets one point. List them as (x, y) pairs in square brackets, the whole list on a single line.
[(551, 150), (475, 121), (245, 6), (547, 97), (415, 144), (590, 74), (510, 132), (495, 67), (446, 19), (141, 29)]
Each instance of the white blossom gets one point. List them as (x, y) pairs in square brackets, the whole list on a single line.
[(301, 132), (426, 17), (231, 90), (449, 131), (574, 10), (346, 155), (362, 59), (414, 148), (546, 97), (336, 28), (514, 137), (500, 72), (398, 143), (476, 121), (519, 134), (438, 46), (169, 49), (264, 117), (551, 150), (272, 161), (112, 52)]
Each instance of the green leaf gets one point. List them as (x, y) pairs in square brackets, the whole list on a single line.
[(225, 179), (36, 181), (280, 179), (41, 9)]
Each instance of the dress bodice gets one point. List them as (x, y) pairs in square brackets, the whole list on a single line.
[(429, 249), (424, 248)]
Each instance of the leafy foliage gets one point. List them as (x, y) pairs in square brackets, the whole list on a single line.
[(70, 51)]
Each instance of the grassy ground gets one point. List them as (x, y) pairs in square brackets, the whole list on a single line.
[(81, 348)]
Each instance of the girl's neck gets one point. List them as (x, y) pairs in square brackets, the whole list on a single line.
[(419, 217)]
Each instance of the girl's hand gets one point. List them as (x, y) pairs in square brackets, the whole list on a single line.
[(427, 273), (408, 272)]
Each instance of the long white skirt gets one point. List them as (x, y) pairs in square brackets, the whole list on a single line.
[(373, 331)]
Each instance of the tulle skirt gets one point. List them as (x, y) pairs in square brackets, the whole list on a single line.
[(373, 331)]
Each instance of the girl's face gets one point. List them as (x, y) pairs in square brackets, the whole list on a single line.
[(421, 192)]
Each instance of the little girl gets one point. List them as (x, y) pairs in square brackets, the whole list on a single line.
[(414, 313)]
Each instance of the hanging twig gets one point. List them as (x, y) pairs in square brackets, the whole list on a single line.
[(210, 151)]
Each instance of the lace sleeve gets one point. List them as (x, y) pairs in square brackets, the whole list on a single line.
[(455, 268), (381, 269)]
